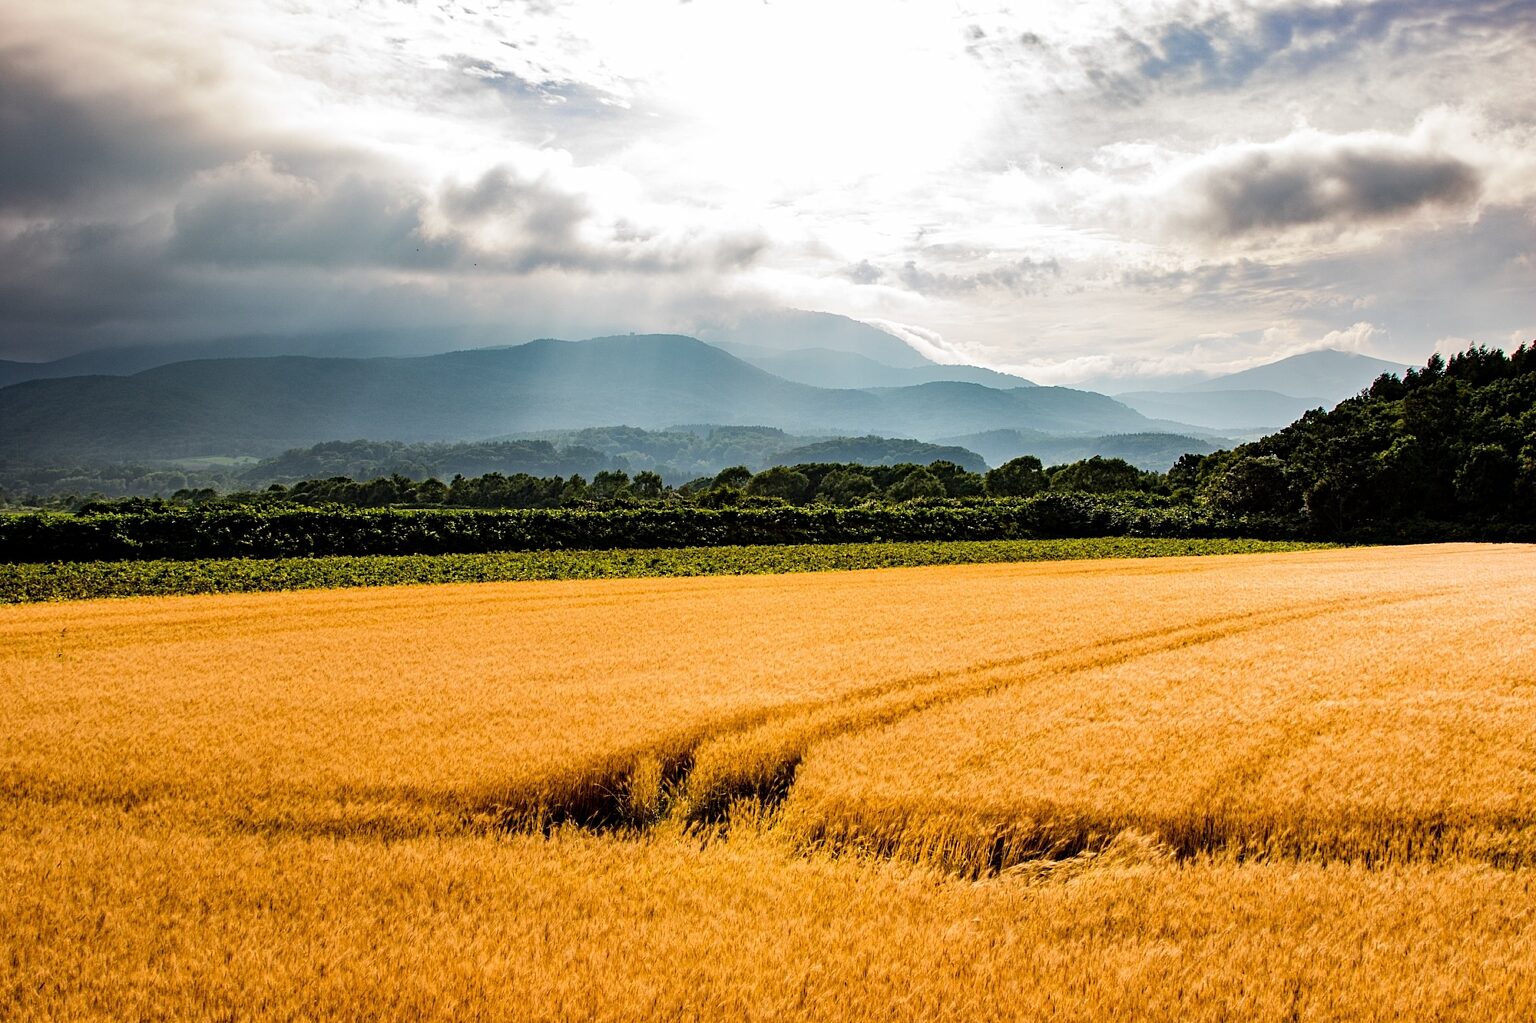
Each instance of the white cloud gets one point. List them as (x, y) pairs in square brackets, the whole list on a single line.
[(1362, 338), (928, 343)]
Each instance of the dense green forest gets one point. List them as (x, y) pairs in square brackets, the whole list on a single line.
[(1446, 451), (1449, 449)]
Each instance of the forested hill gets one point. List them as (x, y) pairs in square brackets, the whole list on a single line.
[(1453, 443)]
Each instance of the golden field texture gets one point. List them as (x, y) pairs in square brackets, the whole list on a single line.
[(122, 922), (1367, 733), (1290, 786), (402, 709)]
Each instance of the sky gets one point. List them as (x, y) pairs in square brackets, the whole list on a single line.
[(1075, 191)]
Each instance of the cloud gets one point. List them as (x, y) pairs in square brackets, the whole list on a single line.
[(172, 170), (66, 278), (1024, 276), (928, 343), (1313, 179), (57, 147), (863, 272), (1224, 49), (70, 287), (1361, 338), (252, 213), (524, 222)]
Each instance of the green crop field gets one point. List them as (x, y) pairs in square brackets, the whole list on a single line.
[(25, 583)]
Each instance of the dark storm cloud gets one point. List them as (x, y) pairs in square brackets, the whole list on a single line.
[(1223, 52), (56, 147), (58, 276), (1312, 179), (1424, 281), (548, 224), (501, 193), (141, 212), (251, 247), (252, 213), (1246, 277)]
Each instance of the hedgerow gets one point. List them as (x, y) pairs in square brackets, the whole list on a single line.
[(181, 534)]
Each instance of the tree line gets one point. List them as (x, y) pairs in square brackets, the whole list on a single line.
[(837, 484), (1449, 450)]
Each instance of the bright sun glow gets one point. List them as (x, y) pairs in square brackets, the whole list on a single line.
[(807, 93)]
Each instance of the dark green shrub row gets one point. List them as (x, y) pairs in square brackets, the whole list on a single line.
[(305, 532), (77, 580)]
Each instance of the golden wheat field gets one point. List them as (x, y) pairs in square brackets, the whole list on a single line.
[(1281, 786)]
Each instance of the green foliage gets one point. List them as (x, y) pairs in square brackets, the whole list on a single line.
[(1150, 451), (1249, 484), (366, 459), (846, 487), (919, 484), (735, 477), (276, 532), (1445, 451), (786, 484), (1448, 451), (957, 480), (1485, 479), (492, 490), (1021, 477), (79, 580), (647, 485), (610, 485), (1099, 475)]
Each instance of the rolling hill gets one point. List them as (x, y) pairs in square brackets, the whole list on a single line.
[(778, 331), (881, 451), (1154, 452), (825, 367), (263, 406), (349, 344), (797, 329), (1264, 397), (1222, 410)]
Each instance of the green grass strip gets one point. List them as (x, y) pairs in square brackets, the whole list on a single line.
[(26, 583)]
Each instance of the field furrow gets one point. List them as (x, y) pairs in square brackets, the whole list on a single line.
[(1320, 737), (420, 707), (759, 762)]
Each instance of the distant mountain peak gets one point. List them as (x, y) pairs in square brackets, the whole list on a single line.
[(828, 367), (1328, 373), (797, 329), (1267, 396)]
